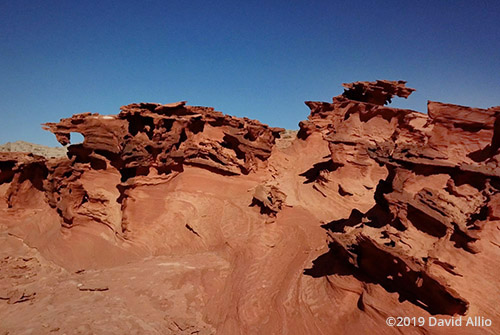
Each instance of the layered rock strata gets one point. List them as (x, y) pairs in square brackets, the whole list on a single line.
[(174, 219)]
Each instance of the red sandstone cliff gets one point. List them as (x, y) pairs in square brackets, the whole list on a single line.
[(174, 219)]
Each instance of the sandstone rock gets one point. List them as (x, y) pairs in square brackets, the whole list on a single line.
[(166, 137), (379, 92), (269, 198), (373, 212)]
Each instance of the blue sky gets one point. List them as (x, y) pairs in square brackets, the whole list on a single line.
[(259, 59)]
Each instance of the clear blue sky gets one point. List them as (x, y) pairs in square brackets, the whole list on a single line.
[(259, 59)]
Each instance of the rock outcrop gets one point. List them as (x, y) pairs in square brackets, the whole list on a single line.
[(37, 149), (176, 219), (166, 137)]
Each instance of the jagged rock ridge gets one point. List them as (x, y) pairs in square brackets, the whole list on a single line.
[(166, 137), (224, 223)]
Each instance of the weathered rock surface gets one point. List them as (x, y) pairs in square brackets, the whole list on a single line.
[(173, 219), (37, 149), (167, 137)]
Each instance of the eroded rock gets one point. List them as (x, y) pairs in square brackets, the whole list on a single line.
[(166, 137), (374, 210)]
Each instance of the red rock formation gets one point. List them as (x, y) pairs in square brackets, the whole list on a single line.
[(380, 92), (175, 219), (166, 137)]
